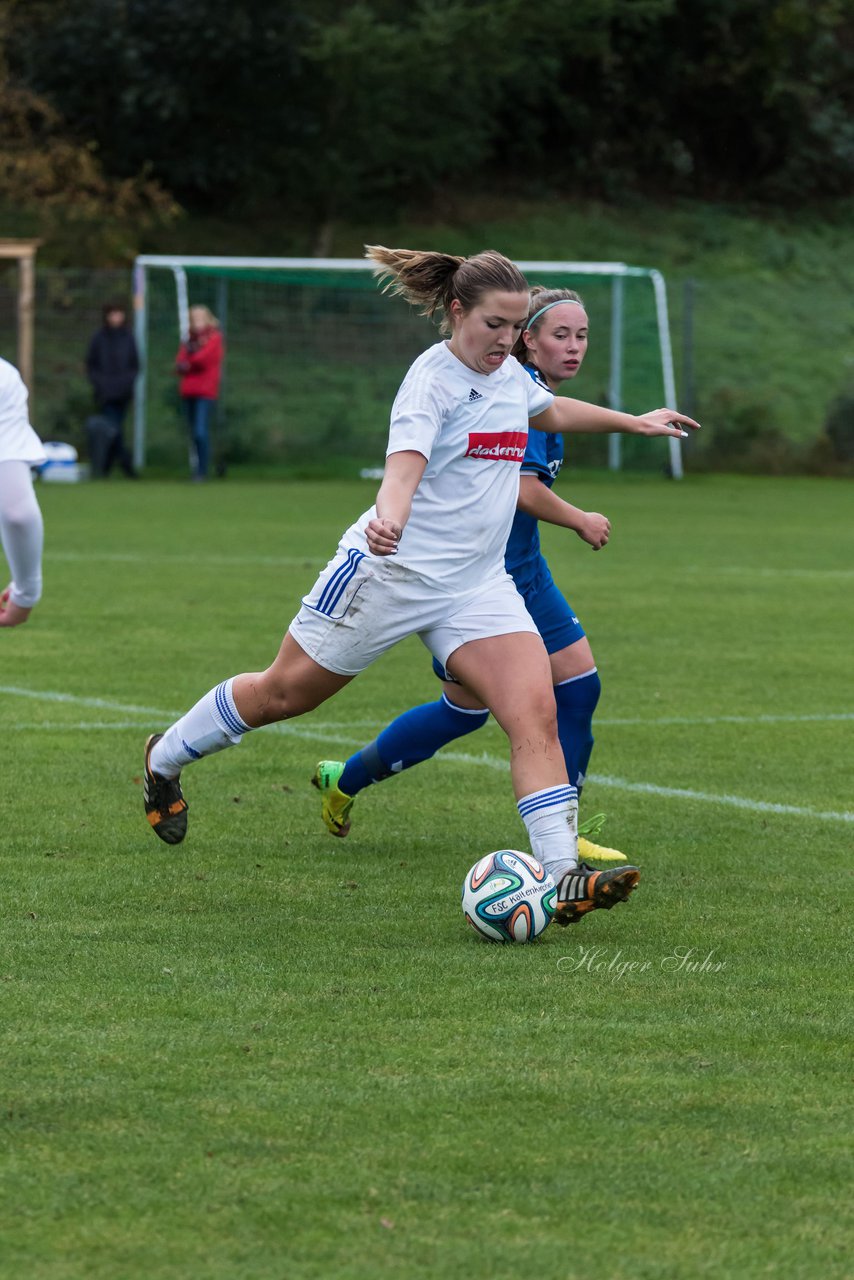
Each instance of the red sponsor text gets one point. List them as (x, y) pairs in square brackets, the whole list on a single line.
[(497, 446)]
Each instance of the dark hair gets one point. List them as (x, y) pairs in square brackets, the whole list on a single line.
[(113, 306), (541, 297), (431, 281)]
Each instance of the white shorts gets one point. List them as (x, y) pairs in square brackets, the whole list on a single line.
[(362, 605)]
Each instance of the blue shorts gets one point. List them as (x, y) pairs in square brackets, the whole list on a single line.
[(554, 618)]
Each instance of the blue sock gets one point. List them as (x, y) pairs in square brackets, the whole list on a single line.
[(412, 737), (576, 701)]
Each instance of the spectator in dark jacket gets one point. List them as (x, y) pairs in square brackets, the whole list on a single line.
[(112, 363)]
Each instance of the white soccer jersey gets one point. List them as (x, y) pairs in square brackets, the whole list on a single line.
[(18, 441), (472, 428)]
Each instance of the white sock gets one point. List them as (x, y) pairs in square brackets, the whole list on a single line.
[(211, 725), (551, 817), (21, 532)]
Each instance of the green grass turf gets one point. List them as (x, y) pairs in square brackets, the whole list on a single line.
[(268, 1053)]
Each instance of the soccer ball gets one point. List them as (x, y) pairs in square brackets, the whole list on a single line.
[(508, 897)]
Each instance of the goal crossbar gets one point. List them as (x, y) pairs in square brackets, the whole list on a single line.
[(616, 271)]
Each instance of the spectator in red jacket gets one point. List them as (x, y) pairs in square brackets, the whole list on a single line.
[(199, 366)]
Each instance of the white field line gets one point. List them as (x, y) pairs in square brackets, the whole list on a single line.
[(135, 557), (735, 802), (186, 557), (757, 571), (673, 793), (49, 695), (330, 726), (323, 730), (604, 722), (67, 726), (819, 718)]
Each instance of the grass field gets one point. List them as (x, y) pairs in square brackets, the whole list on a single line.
[(270, 1054)]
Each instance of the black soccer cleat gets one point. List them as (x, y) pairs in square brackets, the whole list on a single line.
[(584, 889), (165, 806)]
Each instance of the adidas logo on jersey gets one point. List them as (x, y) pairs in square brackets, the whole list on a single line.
[(474, 395)]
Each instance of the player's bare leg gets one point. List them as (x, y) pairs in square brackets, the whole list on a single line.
[(512, 676), (292, 685)]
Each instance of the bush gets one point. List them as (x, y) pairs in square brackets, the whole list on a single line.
[(743, 437), (839, 426)]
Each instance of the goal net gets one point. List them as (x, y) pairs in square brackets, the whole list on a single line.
[(315, 354)]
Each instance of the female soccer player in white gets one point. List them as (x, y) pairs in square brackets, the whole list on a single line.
[(551, 347), (428, 559), (21, 526)]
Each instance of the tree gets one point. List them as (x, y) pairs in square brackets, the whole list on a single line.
[(331, 106), (202, 97), (48, 173)]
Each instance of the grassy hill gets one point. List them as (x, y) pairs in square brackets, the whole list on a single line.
[(760, 302), (773, 325), (772, 315)]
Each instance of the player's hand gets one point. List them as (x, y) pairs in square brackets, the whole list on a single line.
[(11, 615), (595, 529), (665, 422), (383, 536)]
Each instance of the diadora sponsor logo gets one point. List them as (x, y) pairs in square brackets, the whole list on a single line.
[(500, 446)]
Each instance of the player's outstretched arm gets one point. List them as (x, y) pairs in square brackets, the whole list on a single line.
[(11, 614), (538, 500), (403, 472), (566, 415)]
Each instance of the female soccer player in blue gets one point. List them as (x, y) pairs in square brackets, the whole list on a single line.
[(428, 559), (552, 347)]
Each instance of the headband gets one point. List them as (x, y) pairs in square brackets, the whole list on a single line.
[(557, 302)]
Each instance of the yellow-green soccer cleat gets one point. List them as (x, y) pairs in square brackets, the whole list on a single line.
[(590, 852), (335, 806), (585, 889)]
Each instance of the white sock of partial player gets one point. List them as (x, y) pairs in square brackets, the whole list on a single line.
[(21, 532), (551, 817), (211, 725)]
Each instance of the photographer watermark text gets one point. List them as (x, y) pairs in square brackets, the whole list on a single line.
[(616, 964)]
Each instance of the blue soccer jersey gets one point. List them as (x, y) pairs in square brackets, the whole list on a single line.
[(524, 561), (544, 458)]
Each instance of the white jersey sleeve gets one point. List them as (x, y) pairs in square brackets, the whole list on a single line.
[(419, 410), (18, 441)]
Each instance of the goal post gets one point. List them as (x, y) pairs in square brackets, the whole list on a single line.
[(315, 354)]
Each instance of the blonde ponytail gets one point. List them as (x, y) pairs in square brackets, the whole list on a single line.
[(431, 281)]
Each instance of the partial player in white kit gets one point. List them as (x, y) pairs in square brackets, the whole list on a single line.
[(21, 525), (428, 559)]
